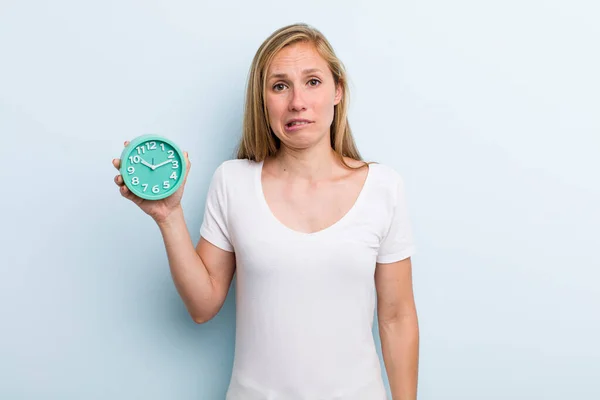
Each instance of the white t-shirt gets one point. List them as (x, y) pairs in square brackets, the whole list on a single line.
[(305, 302)]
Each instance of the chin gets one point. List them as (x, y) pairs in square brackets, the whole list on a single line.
[(304, 140)]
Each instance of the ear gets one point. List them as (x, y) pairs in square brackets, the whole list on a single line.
[(339, 92)]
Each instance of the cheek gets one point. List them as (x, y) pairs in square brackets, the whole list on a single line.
[(274, 107), (326, 108)]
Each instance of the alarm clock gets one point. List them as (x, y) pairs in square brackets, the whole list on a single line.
[(152, 167)]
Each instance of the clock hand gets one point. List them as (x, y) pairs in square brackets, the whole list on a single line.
[(163, 163), (147, 164)]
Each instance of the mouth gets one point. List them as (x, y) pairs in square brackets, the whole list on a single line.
[(296, 124)]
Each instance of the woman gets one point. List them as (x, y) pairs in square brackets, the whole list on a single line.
[(315, 236)]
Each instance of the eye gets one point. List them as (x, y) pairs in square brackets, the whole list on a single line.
[(314, 82), (278, 87)]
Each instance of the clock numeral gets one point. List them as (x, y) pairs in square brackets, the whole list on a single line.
[(155, 189), (173, 175), (135, 159), (145, 186), (135, 180), (162, 146), (151, 145), (166, 185), (175, 164), (131, 170), (171, 154), (141, 149)]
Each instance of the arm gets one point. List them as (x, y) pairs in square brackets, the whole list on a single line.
[(202, 275), (398, 327)]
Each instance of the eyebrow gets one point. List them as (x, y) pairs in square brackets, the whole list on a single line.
[(305, 72)]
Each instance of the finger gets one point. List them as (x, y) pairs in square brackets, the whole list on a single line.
[(125, 192), (188, 163), (119, 180), (117, 161), (136, 199)]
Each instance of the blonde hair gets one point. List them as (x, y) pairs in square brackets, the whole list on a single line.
[(258, 141)]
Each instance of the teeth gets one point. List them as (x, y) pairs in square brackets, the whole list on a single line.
[(298, 123)]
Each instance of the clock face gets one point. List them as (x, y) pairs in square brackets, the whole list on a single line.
[(152, 168)]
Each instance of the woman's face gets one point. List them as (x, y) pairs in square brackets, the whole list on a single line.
[(300, 96)]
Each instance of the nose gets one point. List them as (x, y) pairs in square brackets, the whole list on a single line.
[(297, 102)]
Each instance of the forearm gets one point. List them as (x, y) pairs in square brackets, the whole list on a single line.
[(190, 276), (400, 348)]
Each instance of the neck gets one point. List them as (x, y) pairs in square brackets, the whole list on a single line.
[(310, 164)]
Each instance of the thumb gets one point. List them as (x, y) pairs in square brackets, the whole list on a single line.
[(188, 164)]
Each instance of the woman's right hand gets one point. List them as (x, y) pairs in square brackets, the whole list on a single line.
[(159, 210)]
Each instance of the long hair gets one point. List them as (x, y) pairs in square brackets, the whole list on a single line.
[(258, 141)]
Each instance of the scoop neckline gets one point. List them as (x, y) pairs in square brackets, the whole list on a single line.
[(338, 223)]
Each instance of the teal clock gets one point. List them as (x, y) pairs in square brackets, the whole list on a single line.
[(152, 166)]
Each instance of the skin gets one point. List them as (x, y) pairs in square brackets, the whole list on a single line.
[(306, 186), (307, 189)]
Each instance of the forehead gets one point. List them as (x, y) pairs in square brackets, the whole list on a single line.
[(297, 56)]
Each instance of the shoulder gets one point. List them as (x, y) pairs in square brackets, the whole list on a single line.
[(386, 175), (230, 180), (387, 182), (237, 165), (234, 169), (233, 179)]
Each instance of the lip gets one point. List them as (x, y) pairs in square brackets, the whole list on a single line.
[(305, 123)]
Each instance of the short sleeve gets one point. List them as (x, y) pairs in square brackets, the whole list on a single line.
[(398, 243), (214, 225)]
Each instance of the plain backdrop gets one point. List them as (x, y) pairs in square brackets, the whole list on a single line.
[(489, 110)]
